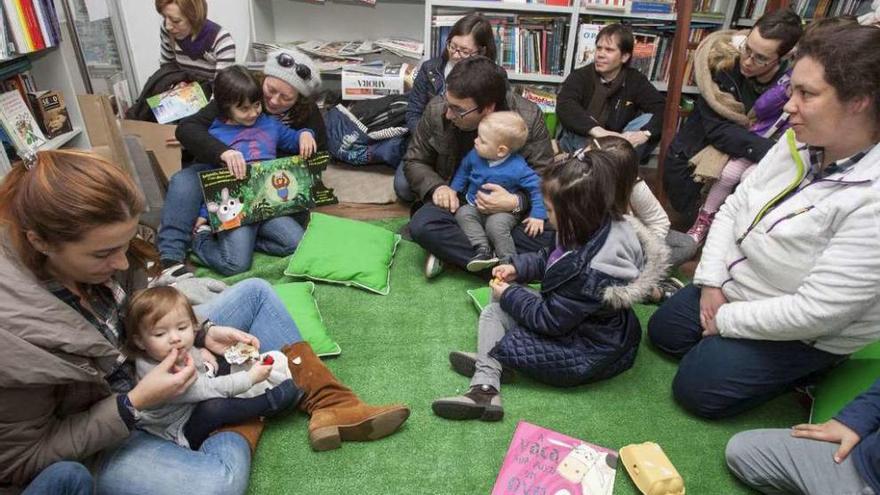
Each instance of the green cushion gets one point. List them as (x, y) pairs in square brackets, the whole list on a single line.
[(842, 385), (870, 352), (348, 252), (300, 303)]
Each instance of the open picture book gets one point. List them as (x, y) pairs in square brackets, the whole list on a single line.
[(270, 189)]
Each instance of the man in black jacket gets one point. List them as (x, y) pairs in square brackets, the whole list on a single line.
[(608, 97), (475, 88), (759, 64)]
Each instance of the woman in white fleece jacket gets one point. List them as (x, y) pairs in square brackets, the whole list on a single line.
[(789, 279)]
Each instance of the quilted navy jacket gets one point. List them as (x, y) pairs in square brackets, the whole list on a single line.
[(581, 327)]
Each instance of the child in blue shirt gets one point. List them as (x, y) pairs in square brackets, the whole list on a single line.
[(243, 126), (494, 160)]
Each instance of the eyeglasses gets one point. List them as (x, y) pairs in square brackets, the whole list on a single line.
[(457, 111), (287, 61), (461, 52), (757, 58)]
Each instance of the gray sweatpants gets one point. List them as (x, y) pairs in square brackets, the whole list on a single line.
[(681, 247), (482, 229), (494, 323), (773, 461)]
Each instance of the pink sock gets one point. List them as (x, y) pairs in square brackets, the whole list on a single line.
[(721, 189)]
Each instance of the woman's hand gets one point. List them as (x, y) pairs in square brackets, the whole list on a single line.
[(505, 273), (711, 298), (235, 163), (219, 338), (259, 372), (498, 288), (307, 144), (445, 197), (496, 200), (164, 382), (831, 431), (534, 226)]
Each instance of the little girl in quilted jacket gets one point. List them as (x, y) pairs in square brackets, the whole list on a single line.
[(580, 327)]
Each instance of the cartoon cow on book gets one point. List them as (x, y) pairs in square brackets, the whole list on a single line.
[(584, 465), (229, 210)]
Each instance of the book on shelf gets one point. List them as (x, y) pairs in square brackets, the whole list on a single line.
[(272, 188), (540, 460), (50, 112), (19, 122), (651, 7), (586, 44), (644, 53), (29, 25), (543, 96), (177, 103)]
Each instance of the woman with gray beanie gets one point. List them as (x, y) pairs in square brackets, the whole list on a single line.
[(289, 81)]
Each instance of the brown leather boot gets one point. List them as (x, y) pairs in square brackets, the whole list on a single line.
[(250, 430), (337, 413)]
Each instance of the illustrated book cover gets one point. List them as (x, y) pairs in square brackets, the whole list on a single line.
[(540, 460), (271, 188)]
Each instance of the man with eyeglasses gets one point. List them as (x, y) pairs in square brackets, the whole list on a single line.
[(475, 87), (744, 69)]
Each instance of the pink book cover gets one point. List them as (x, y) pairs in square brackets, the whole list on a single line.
[(544, 462)]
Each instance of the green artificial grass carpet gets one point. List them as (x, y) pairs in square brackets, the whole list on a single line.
[(395, 350)]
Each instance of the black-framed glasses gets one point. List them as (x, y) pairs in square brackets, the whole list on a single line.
[(287, 61), (462, 52), (757, 58), (457, 111)]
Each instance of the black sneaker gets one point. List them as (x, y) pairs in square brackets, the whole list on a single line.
[(482, 261), (481, 402)]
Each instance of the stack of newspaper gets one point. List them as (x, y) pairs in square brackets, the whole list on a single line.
[(402, 47)]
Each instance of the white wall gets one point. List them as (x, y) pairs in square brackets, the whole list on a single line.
[(142, 26)]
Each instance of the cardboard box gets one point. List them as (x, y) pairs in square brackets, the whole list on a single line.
[(103, 129), (158, 138), (50, 112)]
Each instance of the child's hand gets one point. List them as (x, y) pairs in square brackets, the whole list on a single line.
[(505, 273), (534, 226), (235, 163), (209, 358), (307, 144), (498, 287), (259, 372)]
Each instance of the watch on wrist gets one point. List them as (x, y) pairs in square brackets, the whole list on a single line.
[(518, 207)]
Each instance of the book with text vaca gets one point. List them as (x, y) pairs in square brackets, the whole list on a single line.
[(271, 189), (540, 460)]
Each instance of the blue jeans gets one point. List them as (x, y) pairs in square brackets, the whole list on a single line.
[(436, 230), (62, 478), (401, 186), (231, 252), (570, 141), (149, 464), (252, 306), (720, 377), (180, 211)]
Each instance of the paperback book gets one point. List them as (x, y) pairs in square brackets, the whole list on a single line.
[(177, 103), (540, 460), (271, 189), (19, 122), (586, 44)]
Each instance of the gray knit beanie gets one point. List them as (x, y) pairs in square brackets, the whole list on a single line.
[(294, 68)]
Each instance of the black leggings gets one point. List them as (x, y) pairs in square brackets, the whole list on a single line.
[(213, 414)]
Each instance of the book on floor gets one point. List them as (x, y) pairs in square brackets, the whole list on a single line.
[(270, 189), (177, 103), (540, 460)]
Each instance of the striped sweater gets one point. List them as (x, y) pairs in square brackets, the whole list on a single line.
[(211, 50)]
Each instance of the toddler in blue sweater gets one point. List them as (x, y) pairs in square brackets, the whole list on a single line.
[(494, 160), (244, 127)]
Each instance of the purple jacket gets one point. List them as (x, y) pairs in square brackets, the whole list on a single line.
[(768, 107)]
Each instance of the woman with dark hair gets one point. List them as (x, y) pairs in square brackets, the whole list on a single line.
[(788, 283), (67, 392), (290, 80), (471, 35)]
